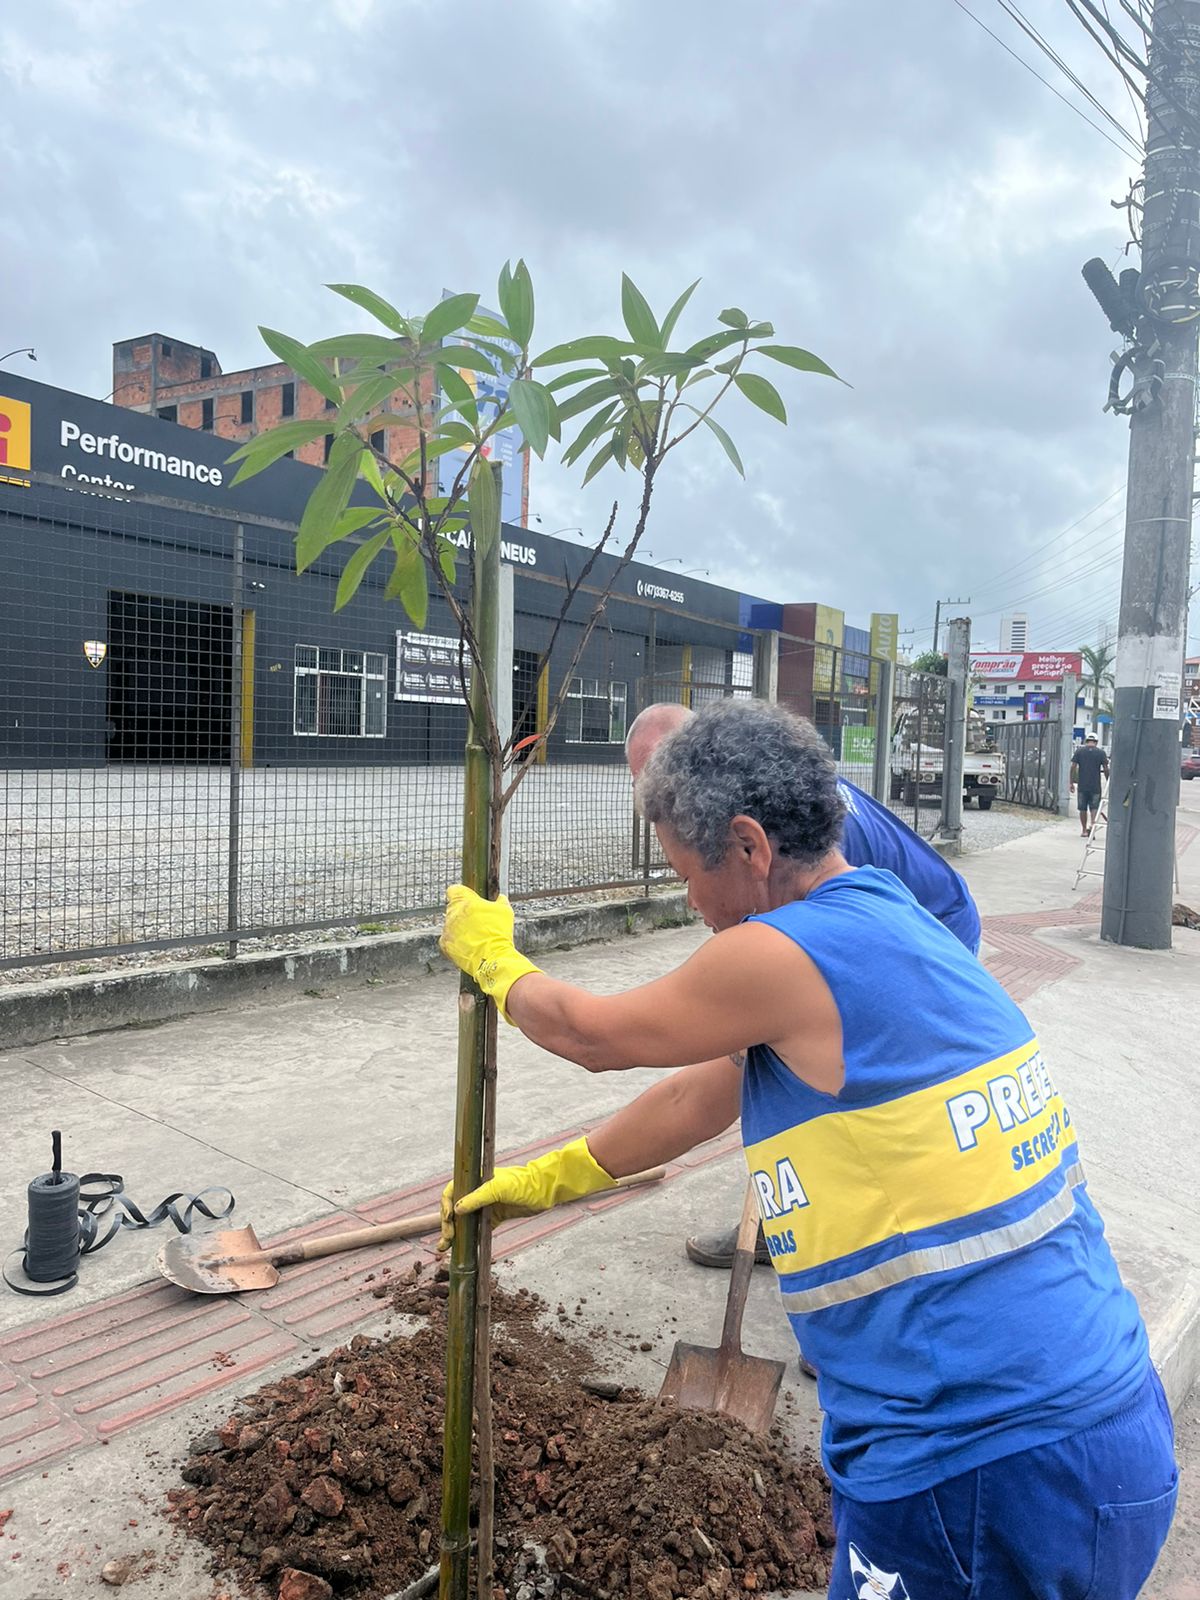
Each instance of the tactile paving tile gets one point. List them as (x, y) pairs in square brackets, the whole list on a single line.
[(33, 1431)]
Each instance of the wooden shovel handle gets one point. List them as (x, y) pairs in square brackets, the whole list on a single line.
[(404, 1228), (743, 1268)]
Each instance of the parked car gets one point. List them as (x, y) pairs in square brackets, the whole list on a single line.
[(1189, 767)]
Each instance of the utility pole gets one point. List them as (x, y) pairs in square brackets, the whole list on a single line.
[(1163, 307), (958, 679), (937, 615)]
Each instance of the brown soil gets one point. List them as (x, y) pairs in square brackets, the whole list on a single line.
[(335, 1472)]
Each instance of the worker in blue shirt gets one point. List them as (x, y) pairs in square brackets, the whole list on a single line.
[(993, 1426), (872, 836)]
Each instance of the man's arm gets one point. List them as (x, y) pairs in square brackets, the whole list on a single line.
[(671, 1117), (747, 985), (1072, 776)]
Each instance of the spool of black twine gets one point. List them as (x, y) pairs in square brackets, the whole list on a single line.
[(52, 1242)]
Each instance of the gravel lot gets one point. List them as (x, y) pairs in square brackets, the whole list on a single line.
[(95, 858)]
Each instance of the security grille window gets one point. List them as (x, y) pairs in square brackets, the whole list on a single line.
[(206, 414), (595, 712), (287, 404), (340, 694), (247, 405)]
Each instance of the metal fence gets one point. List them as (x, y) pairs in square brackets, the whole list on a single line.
[(197, 750), (916, 753), (1031, 752)]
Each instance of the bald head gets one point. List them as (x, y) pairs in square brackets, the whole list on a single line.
[(648, 730)]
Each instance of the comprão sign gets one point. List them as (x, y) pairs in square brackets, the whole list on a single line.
[(1036, 666)]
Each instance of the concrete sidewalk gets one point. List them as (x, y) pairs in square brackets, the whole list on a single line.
[(328, 1109)]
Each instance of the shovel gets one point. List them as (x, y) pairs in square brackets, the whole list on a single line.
[(703, 1379), (229, 1260)]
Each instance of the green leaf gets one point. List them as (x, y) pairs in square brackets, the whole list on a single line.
[(665, 366), (376, 305), (792, 356), (697, 377), (672, 316), (460, 394), (296, 356), (606, 389), (448, 561), (595, 347), (369, 470), (581, 375), (462, 355), (705, 349), (408, 582), (435, 447), (762, 330), (489, 327), (457, 432), (516, 302), (372, 348), (483, 499), (369, 394), (266, 448), (355, 569), (351, 521), (447, 317), (588, 434), (639, 318), (762, 394), (727, 443), (533, 406), (732, 317), (328, 500), (605, 453)]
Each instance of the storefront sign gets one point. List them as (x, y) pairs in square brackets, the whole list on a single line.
[(427, 668), (1037, 666)]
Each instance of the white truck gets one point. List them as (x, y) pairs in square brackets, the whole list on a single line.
[(916, 758)]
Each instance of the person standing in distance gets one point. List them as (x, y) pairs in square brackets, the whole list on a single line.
[(1088, 762), (871, 837)]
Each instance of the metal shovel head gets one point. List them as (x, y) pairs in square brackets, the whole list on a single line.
[(701, 1378), (215, 1263)]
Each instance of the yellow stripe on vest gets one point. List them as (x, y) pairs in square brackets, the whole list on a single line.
[(855, 1178)]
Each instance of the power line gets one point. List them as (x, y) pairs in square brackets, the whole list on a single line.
[(1037, 555), (1021, 59), (1010, 8), (1112, 544)]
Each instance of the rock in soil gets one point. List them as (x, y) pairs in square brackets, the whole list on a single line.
[(334, 1486)]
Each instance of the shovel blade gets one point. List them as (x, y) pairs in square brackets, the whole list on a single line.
[(208, 1263), (701, 1378)]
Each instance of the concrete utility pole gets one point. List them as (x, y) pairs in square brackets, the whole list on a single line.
[(937, 615), (1140, 854), (958, 682)]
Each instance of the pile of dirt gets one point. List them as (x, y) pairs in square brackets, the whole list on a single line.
[(329, 1481)]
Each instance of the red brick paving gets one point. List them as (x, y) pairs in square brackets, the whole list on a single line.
[(88, 1375)]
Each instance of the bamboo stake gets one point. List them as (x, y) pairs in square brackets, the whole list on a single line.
[(478, 790)]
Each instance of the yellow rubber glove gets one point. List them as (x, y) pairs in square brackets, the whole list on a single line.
[(566, 1174), (477, 935)]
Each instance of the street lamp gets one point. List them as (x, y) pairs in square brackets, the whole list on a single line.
[(666, 561), (25, 350), (554, 532), (687, 572)]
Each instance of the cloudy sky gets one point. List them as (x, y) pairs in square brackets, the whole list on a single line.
[(877, 177)]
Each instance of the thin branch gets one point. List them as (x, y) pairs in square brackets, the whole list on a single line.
[(572, 586), (650, 468)]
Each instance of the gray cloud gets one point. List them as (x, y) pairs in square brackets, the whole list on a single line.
[(879, 179)]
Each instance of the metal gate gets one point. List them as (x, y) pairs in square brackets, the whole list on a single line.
[(918, 750), (1031, 753)]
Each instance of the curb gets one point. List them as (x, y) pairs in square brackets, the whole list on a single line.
[(59, 1008)]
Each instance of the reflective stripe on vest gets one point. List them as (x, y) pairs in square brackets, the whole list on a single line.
[(944, 1257)]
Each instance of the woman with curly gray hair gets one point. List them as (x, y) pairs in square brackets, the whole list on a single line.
[(916, 1170)]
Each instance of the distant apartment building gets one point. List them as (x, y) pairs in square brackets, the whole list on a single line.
[(184, 383), (1014, 633)]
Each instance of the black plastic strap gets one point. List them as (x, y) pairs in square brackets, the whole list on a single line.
[(102, 1194)]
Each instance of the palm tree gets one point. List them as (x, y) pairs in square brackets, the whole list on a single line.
[(1097, 676)]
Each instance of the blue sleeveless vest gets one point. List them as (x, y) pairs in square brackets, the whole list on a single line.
[(939, 1258)]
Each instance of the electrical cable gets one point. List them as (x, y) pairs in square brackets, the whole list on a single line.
[(1004, 572), (1068, 103), (1010, 8), (1109, 560), (1043, 561)]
